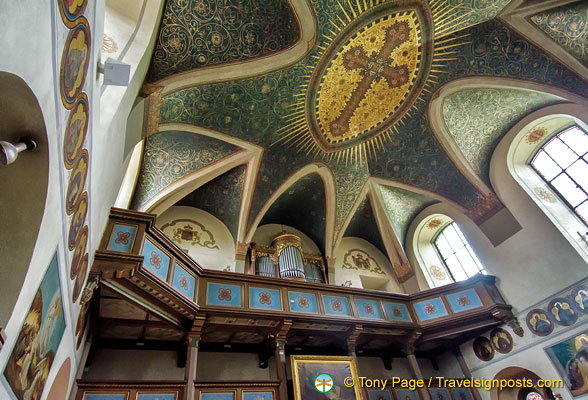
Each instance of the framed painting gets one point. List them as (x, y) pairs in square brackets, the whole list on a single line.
[(569, 359), (322, 378), (157, 396), (257, 395), (227, 395), (105, 396), (34, 351)]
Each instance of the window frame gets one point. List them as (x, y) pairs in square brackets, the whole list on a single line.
[(465, 244), (560, 195)]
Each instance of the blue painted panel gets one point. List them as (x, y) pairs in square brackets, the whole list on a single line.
[(258, 396), (464, 300), (368, 309), (406, 394), (155, 260), (220, 294), (440, 394), (184, 282), (429, 309), (396, 312), (336, 305), (156, 396), (122, 238), (379, 395), (303, 302), (462, 394), (100, 396), (217, 396), (265, 299)]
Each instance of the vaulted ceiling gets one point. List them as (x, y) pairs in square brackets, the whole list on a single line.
[(353, 90)]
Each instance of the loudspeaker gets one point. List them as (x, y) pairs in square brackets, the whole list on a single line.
[(116, 73)]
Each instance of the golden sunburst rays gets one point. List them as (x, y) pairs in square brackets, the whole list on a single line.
[(296, 132)]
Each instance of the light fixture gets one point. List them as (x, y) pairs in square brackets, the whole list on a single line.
[(10, 151)]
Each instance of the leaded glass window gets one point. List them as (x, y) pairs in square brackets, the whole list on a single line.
[(456, 253)]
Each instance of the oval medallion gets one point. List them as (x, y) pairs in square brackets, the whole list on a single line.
[(369, 76), (70, 10), (80, 278), (562, 311), (539, 322), (75, 131), (77, 180), (79, 251), (74, 62), (77, 221)]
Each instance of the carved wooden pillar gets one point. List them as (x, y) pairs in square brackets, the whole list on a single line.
[(352, 342), (281, 358), (414, 365), (466, 371), (192, 356)]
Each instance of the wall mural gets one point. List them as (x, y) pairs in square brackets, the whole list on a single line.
[(220, 197), (402, 206), (501, 340), (362, 261), (483, 348), (75, 92), (567, 26), (189, 232), (570, 359), (170, 155), (31, 359), (478, 118), (199, 33)]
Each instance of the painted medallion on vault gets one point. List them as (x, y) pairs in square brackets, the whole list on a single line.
[(367, 78)]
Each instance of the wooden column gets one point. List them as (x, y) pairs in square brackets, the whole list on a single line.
[(466, 371), (192, 356), (414, 365), (281, 359), (355, 331)]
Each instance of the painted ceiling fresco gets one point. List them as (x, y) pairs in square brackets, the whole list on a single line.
[(567, 25), (363, 225), (168, 156), (198, 33), (302, 206), (357, 102), (478, 118), (221, 197), (402, 206)]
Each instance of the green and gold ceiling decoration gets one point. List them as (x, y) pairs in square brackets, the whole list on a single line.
[(373, 65)]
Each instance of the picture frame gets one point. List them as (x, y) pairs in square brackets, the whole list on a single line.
[(568, 357), (307, 370)]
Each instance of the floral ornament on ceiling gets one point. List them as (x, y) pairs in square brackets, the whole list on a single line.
[(184, 282), (369, 309), (434, 223), (360, 260), (437, 272), (224, 294), (545, 195)]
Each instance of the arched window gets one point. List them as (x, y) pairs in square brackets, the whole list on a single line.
[(534, 396), (561, 162), (456, 253)]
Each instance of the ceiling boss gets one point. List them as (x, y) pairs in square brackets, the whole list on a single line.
[(373, 65)]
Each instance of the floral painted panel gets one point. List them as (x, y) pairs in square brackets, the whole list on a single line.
[(402, 206), (155, 260), (200, 33), (303, 302), (368, 309), (396, 312), (336, 305), (406, 394), (478, 118), (220, 294), (171, 155), (440, 393), (184, 282), (265, 299), (464, 300), (123, 237), (105, 396), (379, 395), (568, 26), (429, 309)]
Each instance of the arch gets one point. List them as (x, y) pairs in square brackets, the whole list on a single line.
[(513, 393), (25, 187), (303, 12), (330, 196), (510, 173), (443, 135)]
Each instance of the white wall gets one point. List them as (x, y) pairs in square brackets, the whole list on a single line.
[(233, 367), (218, 255)]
